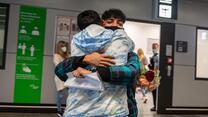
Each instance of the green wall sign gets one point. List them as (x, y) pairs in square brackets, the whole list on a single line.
[(29, 59)]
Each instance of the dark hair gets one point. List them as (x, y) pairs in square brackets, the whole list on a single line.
[(88, 17), (155, 45), (114, 13)]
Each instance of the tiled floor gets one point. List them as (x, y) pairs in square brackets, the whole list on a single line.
[(144, 111)]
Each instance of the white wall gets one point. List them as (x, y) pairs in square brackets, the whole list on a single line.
[(140, 33), (187, 91)]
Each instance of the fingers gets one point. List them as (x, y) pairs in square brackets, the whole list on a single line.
[(105, 64), (76, 74), (102, 60), (108, 59), (100, 65), (83, 71), (107, 56)]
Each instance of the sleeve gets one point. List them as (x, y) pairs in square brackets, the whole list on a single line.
[(145, 60), (151, 65), (156, 62), (56, 59), (68, 65), (121, 75)]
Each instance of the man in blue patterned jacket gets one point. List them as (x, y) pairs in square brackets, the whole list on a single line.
[(118, 75), (118, 98)]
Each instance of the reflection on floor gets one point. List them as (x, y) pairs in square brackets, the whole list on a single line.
[(144, 110)]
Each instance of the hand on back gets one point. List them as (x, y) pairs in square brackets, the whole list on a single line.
[(99, 60)]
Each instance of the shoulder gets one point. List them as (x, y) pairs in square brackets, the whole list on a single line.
[(94, 26), (144, 58), (57, 56), (94, 30)]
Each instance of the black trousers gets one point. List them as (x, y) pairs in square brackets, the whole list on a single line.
[(154, 95)]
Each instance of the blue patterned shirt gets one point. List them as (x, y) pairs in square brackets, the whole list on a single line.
[(116, 75), (96, 38)]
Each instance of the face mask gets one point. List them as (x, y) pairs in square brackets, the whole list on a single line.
[(113, 27), (154, 51), (63, 49)]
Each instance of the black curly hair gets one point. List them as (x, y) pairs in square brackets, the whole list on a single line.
[(114, 13), (88, 17)]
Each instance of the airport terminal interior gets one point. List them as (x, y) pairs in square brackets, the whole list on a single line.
[(173, 31)]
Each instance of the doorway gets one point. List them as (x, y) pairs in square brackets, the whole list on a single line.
[(144, 35)]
